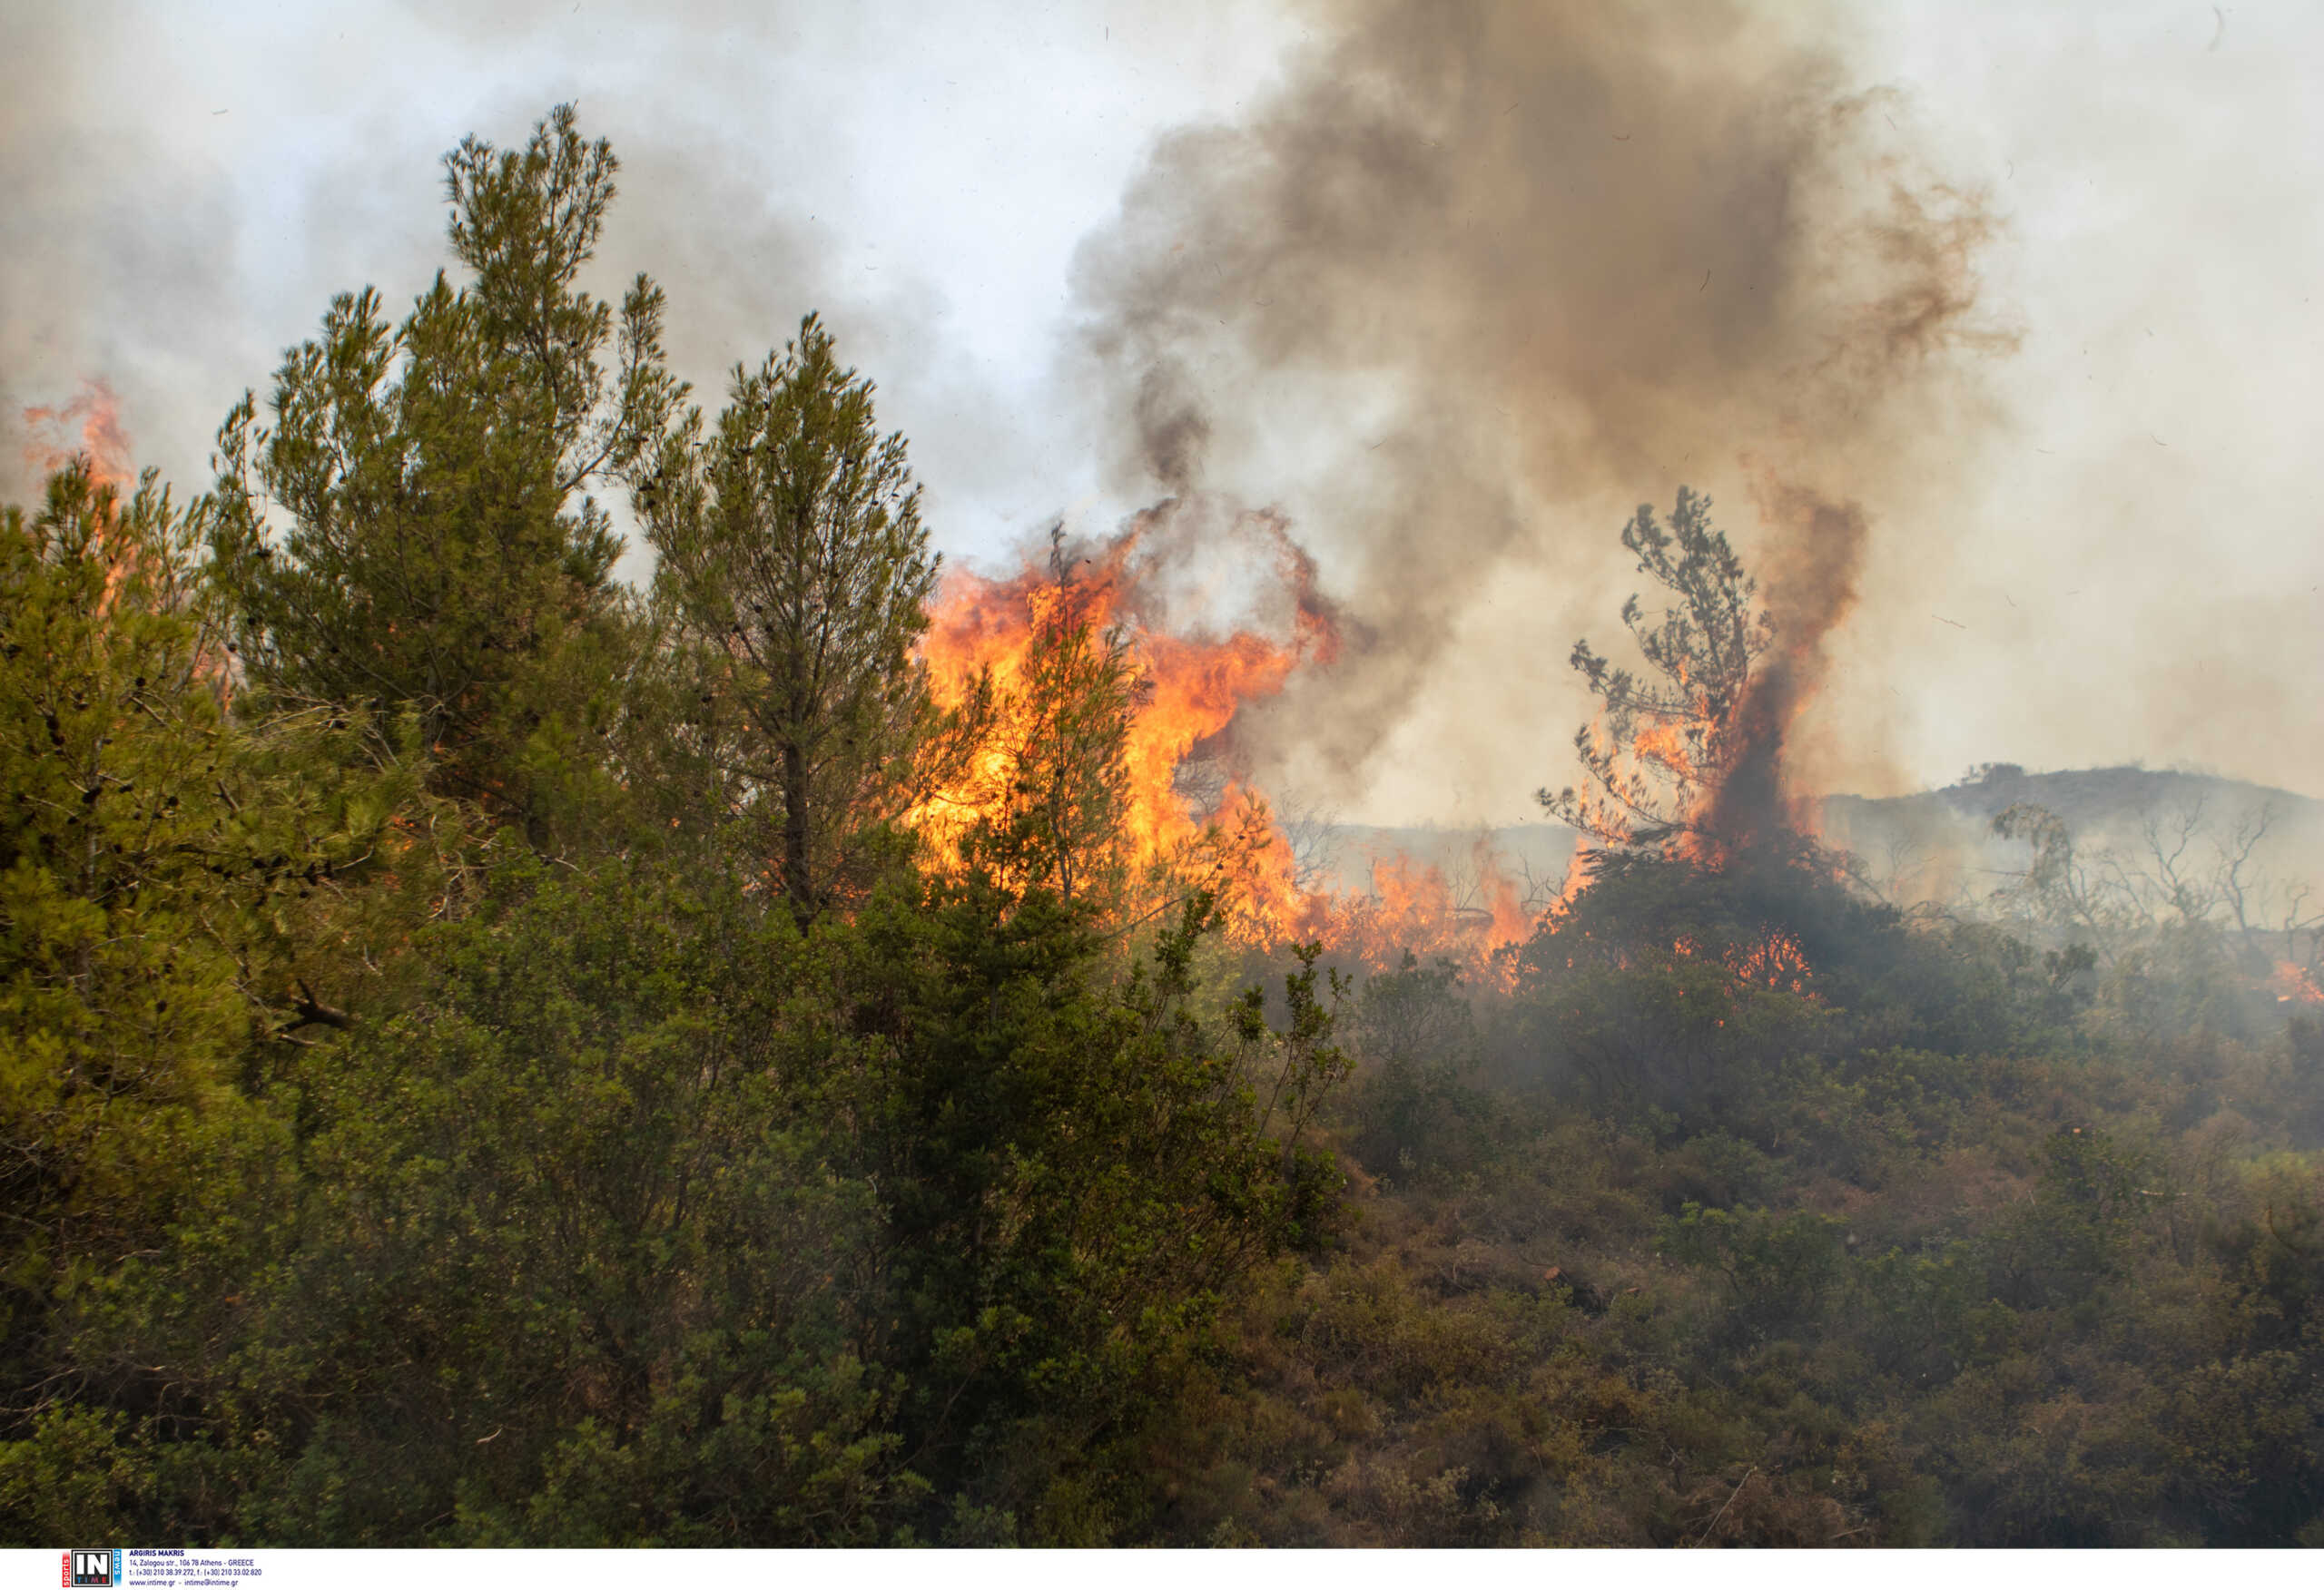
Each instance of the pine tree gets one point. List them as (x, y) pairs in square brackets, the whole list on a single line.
[(792, 545), (424, 477), (172, 881), (1660, 745), (1062, 737)]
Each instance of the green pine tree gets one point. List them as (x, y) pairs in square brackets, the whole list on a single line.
[(793, 551), (416, 525), (177, 884)]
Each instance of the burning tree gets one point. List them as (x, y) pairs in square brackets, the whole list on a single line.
[(1096, 704), (1055, 813), (1663, 745)]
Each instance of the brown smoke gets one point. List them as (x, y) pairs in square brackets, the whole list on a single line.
[(1557, 259), (1817, 558)]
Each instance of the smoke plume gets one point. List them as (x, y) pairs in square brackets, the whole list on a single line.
[(1817, 549), (1478, 278)]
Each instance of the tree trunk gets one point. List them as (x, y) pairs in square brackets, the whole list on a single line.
[(796, 883)]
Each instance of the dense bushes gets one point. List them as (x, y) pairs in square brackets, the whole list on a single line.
[(1919, 1252), (651, 1218)]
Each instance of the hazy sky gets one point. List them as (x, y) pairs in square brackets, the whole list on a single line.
[(2106, 550)]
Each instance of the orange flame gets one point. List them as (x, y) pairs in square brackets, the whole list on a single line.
[(1193, 687), (88, 426), (2296, 985), (1221, 610), (1773, 961)]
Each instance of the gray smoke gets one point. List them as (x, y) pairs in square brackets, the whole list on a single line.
[(1503, 269)]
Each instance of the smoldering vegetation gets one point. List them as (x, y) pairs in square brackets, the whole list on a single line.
[(1749, 1209)]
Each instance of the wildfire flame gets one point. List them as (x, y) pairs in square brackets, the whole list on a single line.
[(1773, 960), (88, 430), (1206, 643), (2296, 985), (88, 426), (1192, 686)]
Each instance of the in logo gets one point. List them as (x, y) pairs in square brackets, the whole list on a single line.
[(92, 1569)]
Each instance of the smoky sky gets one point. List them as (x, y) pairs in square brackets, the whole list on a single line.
[(1566, 256), (871, 162), (2027, 297)]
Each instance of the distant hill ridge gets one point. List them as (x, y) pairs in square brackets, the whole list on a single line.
[(1941, 842), (2084, 798), (2099, 805)]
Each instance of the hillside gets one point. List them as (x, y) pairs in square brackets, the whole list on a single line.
[(1937, 844), (1940, 844)]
